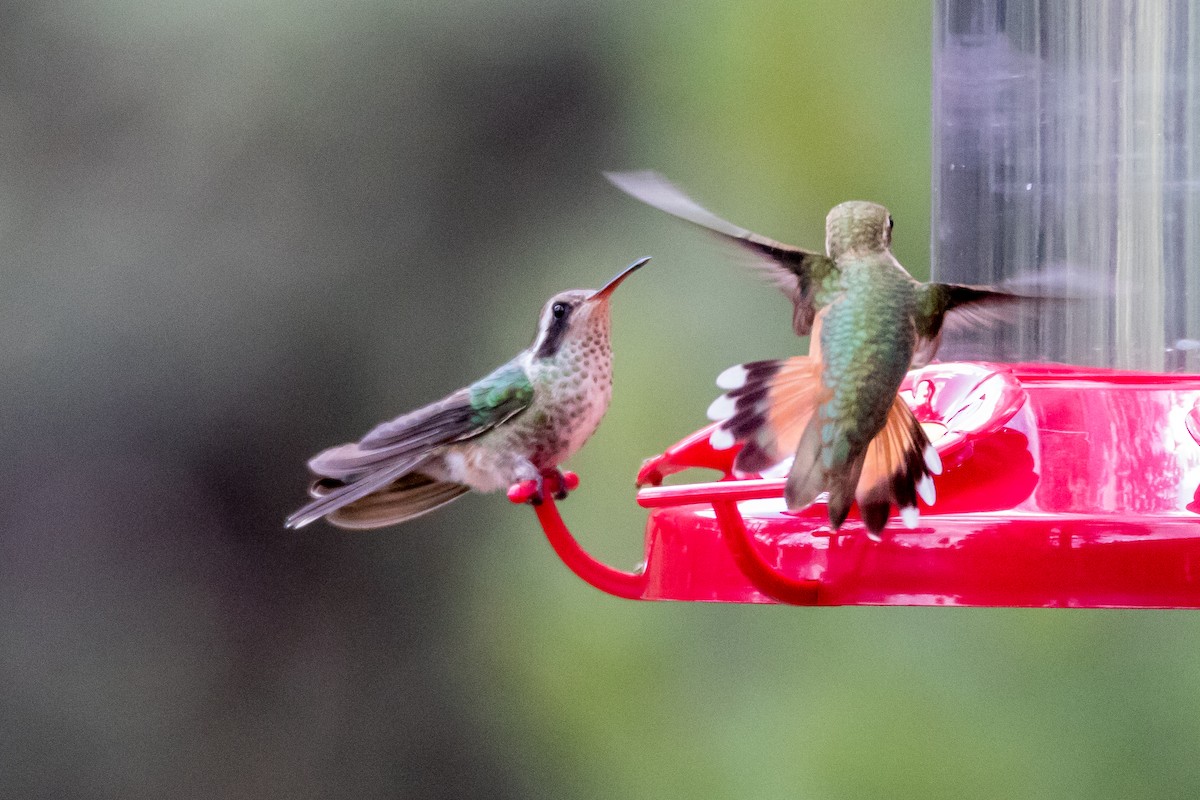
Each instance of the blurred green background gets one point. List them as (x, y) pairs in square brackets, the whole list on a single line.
[(236, 233)]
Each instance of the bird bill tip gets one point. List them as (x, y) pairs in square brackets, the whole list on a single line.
[(604, 292)]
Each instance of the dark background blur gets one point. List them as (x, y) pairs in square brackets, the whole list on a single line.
[(235, 233)]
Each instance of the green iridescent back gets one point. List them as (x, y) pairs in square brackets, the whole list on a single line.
[(866, 345)]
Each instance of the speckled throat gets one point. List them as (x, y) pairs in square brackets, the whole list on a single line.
[(571, 393)]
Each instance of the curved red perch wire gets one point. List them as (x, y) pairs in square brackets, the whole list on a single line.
[(630, 585), (765, 578)]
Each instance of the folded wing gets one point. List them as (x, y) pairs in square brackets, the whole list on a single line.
[(350, 472)]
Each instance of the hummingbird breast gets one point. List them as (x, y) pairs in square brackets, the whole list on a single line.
[(572, 392)]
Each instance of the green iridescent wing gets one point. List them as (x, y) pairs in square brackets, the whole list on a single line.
[(387, 454), (463, 415)]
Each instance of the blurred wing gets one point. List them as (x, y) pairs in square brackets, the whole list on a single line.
[(960, 307), (979, 306), (796, 272), (949, 306)]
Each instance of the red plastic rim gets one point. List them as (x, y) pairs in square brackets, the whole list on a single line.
[(1062, 486)]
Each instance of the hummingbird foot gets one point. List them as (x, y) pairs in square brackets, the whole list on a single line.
[(533, 490), (527, 491), (564, 483)]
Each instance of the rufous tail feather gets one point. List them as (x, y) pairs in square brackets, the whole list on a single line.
[(766, 406), (898, 467)]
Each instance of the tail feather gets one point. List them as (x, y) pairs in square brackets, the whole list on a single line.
[(875, 505), (331, 494), (407, 498), (771, 408), (842, 490), (806, 479), (766, 407), (898, 468)]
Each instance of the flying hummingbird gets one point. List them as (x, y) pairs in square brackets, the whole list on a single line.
[(522, 420), (836, 409)]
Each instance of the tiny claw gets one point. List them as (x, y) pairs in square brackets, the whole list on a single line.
[(565, 483)]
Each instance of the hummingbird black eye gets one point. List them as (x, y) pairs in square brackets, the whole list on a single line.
[(558, 310), (891, 222)]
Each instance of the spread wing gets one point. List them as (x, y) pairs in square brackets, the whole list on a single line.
[(798, 273), (951, 306), (957, 306)]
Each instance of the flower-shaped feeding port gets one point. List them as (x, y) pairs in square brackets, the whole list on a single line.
[(1062, 486)]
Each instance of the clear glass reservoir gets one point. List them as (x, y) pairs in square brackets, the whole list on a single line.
[(1066, 157)]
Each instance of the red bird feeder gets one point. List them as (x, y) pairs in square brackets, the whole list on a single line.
[(1065, 145), (1062, 486)]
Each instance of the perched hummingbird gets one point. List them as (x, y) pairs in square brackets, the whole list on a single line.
[(523, 419), (836, 409)]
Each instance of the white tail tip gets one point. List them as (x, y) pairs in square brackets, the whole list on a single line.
[(910, 517), (721, 439), (722, 408), (932, 460), (732, 378), (925, 490)]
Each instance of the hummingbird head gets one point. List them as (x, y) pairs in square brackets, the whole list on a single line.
[(857, 225), (576, 315)]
